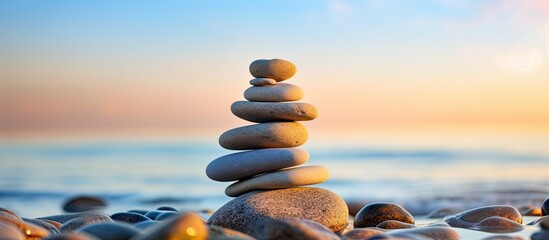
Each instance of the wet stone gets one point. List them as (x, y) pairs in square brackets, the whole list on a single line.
[(77, 223), (72, 236), (145, 224), (545, 207), (30, 230), (10, 231), (361, 233), (154, 213), (84, 203), (10, 213), (51, 228), (394, 224), (436, 233), (217, 232), (471, 219), (167, 215), (373, 214), (187, 226), (291, 228), (498, 225), (111, 230), (129, 217)]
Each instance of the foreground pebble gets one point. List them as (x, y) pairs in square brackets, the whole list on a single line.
[(246, 164), (291, 228), (435, 233), (375, 213), (545, 207), (187, 226), (84, 203), (314, 204), (261, 112), (264, 135), (276, 69), (497, 219), (110, 231), (287, 178), (10, 231)]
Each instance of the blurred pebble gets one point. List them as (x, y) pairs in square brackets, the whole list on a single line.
[(111, 230), (167, 215), (84, 203), (216, 232), (436, 233), (543, 223), (51, 228), (187, 226), (530, 210), (542, 235), (167, 208), (545, 207), (80, 222), (262, 81), (154, 213), (139, 211), (129, 217), (291, 228), (10, 231), (145, 224), (72, 236), (361, 233), (394, 224), (10, 213), (53, 223), (503, 237), (63, 218), (373, 214), (30, 230), (471, 219), (438, 224)]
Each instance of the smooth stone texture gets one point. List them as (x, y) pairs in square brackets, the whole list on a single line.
[(472, 217), (246, 164), (167, 208), (72, 236), (261, 112), (498, 225), (276, 69), (187, 226), (111, 231), (316, 204), (374, 213), (291, 177), (361, 233), (265, 135), (543, 235), (530, 210), (545, 207), (291, 228), (84, 203), (262, 81), (217, 232), (129, 217), (282, 92), (543, 223), (503, 237), (167, 215), (435, 233), (77, 223), (63, 218), (10, 231), (394, 224), (29, 230), (154, 213), (145, 224), (10, 213), (51, 228)]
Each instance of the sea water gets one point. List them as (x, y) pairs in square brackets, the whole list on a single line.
[(36, 176)]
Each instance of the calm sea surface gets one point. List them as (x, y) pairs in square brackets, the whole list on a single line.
[(36, 176)]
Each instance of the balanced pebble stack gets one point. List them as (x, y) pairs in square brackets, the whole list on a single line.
[(271, 159)]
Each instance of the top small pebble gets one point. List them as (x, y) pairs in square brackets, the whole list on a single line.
[(276, 69)]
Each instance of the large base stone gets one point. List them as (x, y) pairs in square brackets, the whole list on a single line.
[(316, 204)]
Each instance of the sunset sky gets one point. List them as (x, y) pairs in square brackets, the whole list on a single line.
[(176, 66)]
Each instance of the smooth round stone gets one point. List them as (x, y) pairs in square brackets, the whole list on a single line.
[(246, 164), (543, 223), (111, 231), (530, 210), (63, 218), (436, 233), (145, 224), (291, 228), (269, 112), (292, 177), (10, 213), (545, 207), (72, 236), (282, 92), (154, 213), (167, 215), (265, 135), (29, 230), (361, 233), (84, 203), (315, 204), (472, 217), (187, 226), (276, 69), (129, 217), (77, 223), (373, 214), (394, 224), (217, 232), (543, 235), (51, 228), (262, 81), (10, 231), (498, 225)]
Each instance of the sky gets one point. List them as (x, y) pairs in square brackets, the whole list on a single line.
[(175, 67)]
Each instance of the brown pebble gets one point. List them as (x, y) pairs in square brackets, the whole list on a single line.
[(498, 225), (282, 92), (12, 214), (436, 233), (543, 223), (262, 81), (530, 210), (394, 224), (10, 231), (361, 233), (53, 223), (373, 214), (276, 69), (503, 237), (471, 218), (28, 229), (84, 203), (52, 229), (291, 228), (187, 226), (217, 232)]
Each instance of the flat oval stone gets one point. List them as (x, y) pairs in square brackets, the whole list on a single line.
[(84, 203), (246, 164), (282, 92), (394, 224), (315, 204), (129, 217), (361, 233), (291, 228), (470, 218), (292, 177), (111, 230), (498, 225), (276, 69), (188, 226), (265, 135), (51, 228), (373, 214), (262, 81), (269, 112)]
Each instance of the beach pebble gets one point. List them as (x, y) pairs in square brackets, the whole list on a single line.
[(497, 225), (111, 230), (503, 237), (84, 203), (471, 218), (72, 236), (394, 224), (361, 233), (545, 207), (145, 224), (28, 229), (187, 226), (530, 210), (246, 164), (217, 232), (167, 215), (316, 204), (282, 92), (435, 233), (291, 177), (10, 231), (541, 235), (77, 223), (291, 228), (167, 208), (374, 213), (129, 217), (276, 69), (63, 218), (9, 213), (265, 135), (262, 81), (154, 213), (261, 112), (543, 223), (46, 225)]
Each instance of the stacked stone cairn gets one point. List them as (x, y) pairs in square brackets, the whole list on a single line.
[(269, 182)]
